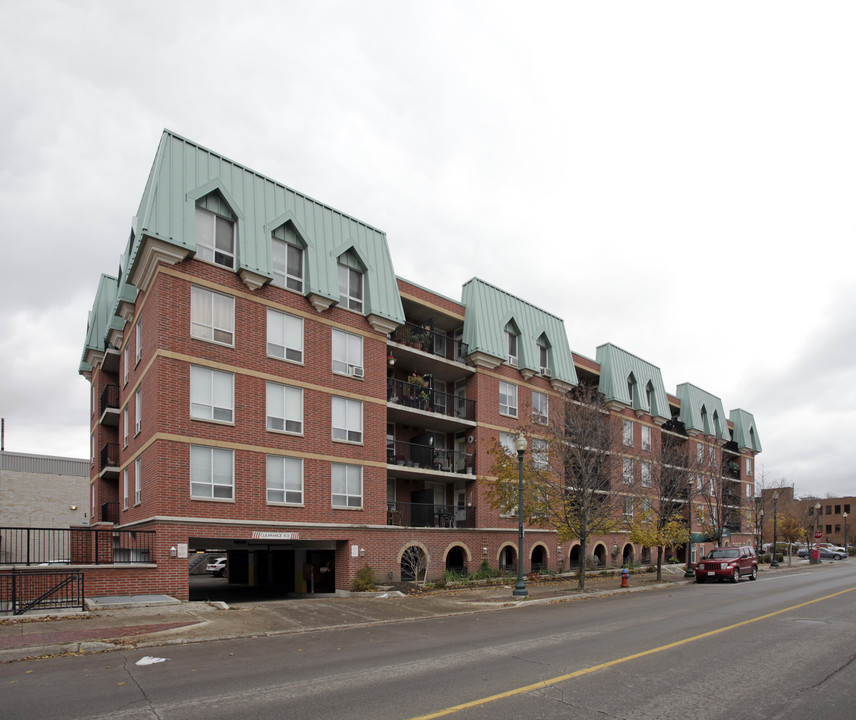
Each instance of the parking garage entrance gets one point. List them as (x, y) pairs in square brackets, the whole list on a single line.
[(255, 570)]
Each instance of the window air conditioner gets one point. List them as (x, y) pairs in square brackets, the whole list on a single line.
[(356, 371), (546, 372), (512, 361)]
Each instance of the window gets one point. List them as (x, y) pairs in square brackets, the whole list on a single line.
[(838, 509), (506, 439), (211, 472), (347, 354), (287, 260), (829, 509), (699, 453), (511, 341), (215, 238), (847, 508), (544, 356), (829, 529), (646, 437), (350, 288), (138, 481), (628, 506), (628, 433), (699, 482), (284, 479), (284, 336), (712, 487), (211, 394), (284, 408), (138, 409), (539, 454), (507, 398), (711, 455), (347, 420), (91, 449), (540, 407), (125, 489), (126, 359), (748, 466), (347, 485), (627, 471), (138, 339), (646, 474), (212, 316), (748, 490), (125, 427)]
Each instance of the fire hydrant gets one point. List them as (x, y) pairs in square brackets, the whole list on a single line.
[(625, 573)]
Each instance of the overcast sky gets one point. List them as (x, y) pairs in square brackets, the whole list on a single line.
[(675, 178)]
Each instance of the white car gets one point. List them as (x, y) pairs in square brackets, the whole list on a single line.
[(217, 567)]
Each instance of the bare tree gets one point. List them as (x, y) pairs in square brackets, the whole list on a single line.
[(571, 478), (413, 564)]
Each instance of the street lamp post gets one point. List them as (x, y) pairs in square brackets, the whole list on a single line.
[(846, 548), (815, 554), (775, 562), (688, 573), (761, 541), (520, 445)]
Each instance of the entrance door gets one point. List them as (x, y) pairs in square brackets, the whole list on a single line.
[(422, 508), (460, 504)]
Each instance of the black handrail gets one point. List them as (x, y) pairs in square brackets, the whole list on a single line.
[(423, 397)]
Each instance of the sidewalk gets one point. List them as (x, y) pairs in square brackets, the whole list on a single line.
[(143, 621)]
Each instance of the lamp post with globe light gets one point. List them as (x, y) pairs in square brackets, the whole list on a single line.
[(520, 445), (775, 563)]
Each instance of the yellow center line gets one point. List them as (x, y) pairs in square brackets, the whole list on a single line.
[(594, 668)]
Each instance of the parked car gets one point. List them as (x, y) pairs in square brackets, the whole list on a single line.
[(217, 567), (833, 548), (728, 563), (825, 553)]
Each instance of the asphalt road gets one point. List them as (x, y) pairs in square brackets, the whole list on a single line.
[(781, 647)]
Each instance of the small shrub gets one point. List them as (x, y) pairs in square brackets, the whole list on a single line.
[(673, 561), (364, 580)]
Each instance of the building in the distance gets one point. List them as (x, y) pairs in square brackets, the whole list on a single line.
[(263, 383), (830, 517)]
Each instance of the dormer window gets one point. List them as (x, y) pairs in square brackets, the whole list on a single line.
[(544, 356), (350, 284), (511, 344), (631, 390), (215, 238), (287, 257)]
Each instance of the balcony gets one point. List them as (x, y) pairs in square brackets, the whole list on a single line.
[(109, 407), (412, 347), (110, 512), (405, 514), (428, 341), (443, 411), (412, 458), (110, 460)]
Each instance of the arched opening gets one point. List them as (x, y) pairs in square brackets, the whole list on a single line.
[(646, 556), (456, 561), (574, 558), (600, 555), (538, 558), (627, 556), (414, 564), (508, 559)]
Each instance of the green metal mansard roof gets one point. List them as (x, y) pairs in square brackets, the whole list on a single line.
[(489, 310), (702, 412), (184, 174), (619, 369), (745, 433), (98, 324)]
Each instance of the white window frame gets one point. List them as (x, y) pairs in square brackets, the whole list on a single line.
[(512, 341), (347, 354), (138, 481), (219, 487), (281, 276), (646, 473), (138, 412), (212, 395), (507, 399), (344, 477), (347, 420), (749, 466), (711, 455), (283, 408), (205, 305), (284, 480), (206, 239), (646, 437), (506, 439), (540, 407), (138, 342), (627, 433), (92, 450), (627, 471), (125, 428), (347, 279), (126, 361), (125, 489), (284, 336), (540, 450), (628, 507), (699, 453)]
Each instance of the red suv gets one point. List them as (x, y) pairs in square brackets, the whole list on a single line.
[(728, 563)]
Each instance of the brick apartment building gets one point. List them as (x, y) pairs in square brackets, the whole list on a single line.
[(263, 383), (830, 516)]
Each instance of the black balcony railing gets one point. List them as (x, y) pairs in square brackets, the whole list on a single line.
[(110, 512), (429, 458), (423, 338), (110, 398), (110, 456), (430, 515), (422, 397), (77, 546), (41, 590)]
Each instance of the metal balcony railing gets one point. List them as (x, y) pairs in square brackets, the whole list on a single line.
[(407, 514), (422, 397), (110, 456), (423, 338), (430, 458), (110, 398), (110, 512)]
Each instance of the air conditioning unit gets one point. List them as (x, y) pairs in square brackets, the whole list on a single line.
[(512, 361), (356, 371), (546, 372)]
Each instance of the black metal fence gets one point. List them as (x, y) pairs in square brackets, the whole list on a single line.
[(110, 398), (422, 397), (430, 515), (109, 456), (75, 546), (426, 456), (45, 590), (423, 337)]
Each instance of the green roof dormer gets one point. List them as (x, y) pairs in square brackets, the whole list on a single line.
[(185, 176), (702, 412), (629, 380), (98, 324), (745, 433), (500, 327)]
